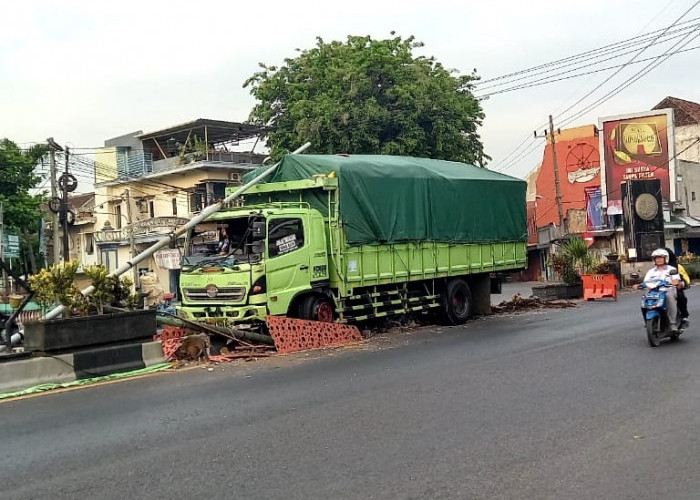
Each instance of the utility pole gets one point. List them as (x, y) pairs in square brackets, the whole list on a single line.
[(557, 186), (132, 243), (64, 212), (562, 222), (53, 147)]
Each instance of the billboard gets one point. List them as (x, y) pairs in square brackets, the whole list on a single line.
[(637, 147)]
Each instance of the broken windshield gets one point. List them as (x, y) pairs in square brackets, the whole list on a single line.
[(223, 242)]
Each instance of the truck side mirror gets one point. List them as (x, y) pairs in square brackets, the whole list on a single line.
[(257, 247), (257, 230)]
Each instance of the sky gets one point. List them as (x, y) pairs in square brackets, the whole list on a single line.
[(86, 71)]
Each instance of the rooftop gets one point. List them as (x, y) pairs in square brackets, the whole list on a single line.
[(684, 112)]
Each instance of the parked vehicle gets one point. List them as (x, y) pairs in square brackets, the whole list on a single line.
[(655, 311), (348, 238)]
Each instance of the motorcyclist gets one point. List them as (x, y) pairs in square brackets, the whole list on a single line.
[(662, 271)]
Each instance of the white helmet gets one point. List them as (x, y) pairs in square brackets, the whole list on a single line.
[(660, 252)]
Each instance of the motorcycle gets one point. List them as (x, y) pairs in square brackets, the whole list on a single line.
[(655, 312)]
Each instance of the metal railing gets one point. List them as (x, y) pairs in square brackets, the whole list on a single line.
[(134, 164)]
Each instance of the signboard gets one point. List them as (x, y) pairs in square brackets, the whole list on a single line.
[(637, 147), (168, 258), (10, 245)]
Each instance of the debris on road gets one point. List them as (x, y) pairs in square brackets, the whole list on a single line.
[(185, 346), (517, 303)]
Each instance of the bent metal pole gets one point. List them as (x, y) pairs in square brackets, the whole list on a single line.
[(173, 236)]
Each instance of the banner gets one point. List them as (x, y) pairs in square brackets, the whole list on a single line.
[(168, 258), (594, 208), (637, 147)]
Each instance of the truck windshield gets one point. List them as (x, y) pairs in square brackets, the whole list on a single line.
[(226, 242)]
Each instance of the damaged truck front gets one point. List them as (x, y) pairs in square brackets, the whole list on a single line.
[(353, 237)]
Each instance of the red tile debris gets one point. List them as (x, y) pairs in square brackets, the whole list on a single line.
[(292, 335)]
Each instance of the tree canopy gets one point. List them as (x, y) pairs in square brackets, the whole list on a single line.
[(368, 96), (17, 176)]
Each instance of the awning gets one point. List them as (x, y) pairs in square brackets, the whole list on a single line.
[(602, 233), (687, 220)]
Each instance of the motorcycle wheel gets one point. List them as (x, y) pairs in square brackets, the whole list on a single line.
[(653, 330)]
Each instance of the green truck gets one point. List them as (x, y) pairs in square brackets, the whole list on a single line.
[(352, 237)]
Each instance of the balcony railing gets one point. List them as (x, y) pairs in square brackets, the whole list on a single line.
[(216, 157), (134, 164)]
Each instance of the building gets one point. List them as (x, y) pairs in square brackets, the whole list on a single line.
[(147, 185), (578, 175), (683, 227), (595, 171)]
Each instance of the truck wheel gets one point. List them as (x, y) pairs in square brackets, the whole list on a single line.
[(317, 308), (457, 302)]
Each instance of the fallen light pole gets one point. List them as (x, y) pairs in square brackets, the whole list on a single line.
[(173, 236)]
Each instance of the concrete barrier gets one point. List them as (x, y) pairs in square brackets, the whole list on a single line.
[(25, 373), (152, 353), (17, 375)]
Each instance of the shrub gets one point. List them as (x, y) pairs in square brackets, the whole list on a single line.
[(574, 260), (56, 285)]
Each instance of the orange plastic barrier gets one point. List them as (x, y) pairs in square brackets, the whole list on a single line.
[(597, 286)]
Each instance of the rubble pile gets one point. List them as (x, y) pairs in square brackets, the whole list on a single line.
[(518, 303), (186, 345)]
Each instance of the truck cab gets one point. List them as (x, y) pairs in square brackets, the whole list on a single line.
[(242, 264)]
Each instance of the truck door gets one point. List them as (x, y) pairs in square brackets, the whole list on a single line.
[(287, 262)]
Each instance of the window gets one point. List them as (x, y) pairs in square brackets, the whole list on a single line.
[(89, 244), (218, 192), (692, 196), (205, 194), (151, 209), (118, 212), (285, 236), (174, 206)]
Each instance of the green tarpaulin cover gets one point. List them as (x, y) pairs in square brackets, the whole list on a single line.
[(392, 199)]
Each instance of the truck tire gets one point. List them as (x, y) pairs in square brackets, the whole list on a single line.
[(317, 308), (457, 302)]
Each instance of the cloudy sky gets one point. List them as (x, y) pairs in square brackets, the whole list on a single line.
[(86, 71)]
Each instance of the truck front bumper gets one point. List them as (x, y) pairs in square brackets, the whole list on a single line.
[(223, 314)]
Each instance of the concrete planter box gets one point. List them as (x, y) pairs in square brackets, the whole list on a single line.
[(555, 291), (76, 333)]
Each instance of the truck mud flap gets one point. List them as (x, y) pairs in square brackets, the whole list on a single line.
[(292, 335)]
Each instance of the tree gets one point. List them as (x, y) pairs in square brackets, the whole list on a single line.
[(17, 177), (21, 210), (368, 96)]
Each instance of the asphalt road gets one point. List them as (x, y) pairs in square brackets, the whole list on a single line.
[(554, 404)]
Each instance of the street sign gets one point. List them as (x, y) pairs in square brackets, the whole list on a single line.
[(10, 245)]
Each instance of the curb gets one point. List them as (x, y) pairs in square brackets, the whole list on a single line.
[(23, 374)]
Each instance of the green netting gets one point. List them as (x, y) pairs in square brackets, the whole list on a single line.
[(392, 199)]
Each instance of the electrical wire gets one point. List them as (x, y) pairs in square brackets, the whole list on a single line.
[(552, 79), (588, 94), (628, 82), (658, 34), (587, 55)]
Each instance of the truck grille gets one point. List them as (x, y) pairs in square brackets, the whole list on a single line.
[(234, 294)]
